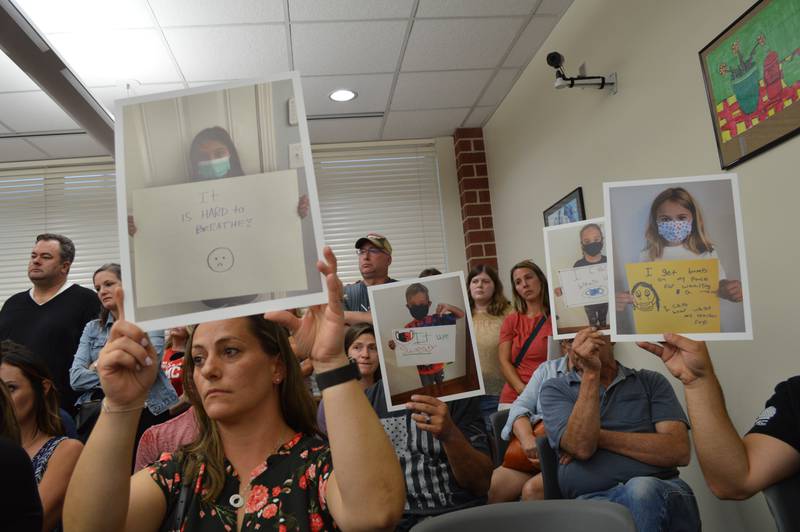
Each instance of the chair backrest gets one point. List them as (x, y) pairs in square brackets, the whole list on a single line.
[(541, 516), (782, 498), (498, 420), (549, 462)]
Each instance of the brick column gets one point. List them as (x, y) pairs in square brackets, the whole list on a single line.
[(476, 207)]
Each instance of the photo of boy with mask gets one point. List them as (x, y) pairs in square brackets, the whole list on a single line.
[(418, 303), (592, 246)]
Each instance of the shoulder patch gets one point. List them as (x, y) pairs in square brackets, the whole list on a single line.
[(765, 416)]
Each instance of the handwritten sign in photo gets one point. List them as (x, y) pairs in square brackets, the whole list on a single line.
[(679, 296), (586, 285), (425, 345), (218, 235)]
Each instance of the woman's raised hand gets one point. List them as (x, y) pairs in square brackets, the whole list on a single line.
[(128, 364), (320, 333)]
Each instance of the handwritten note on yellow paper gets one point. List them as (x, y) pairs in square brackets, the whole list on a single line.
[(675, 296)]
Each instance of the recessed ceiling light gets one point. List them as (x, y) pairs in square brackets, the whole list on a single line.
[(342, 95)]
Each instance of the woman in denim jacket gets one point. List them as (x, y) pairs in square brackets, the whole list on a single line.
[(83, 375)]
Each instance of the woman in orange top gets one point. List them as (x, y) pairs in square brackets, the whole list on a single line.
[(531, 307)]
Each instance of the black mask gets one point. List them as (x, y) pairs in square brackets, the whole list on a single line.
[(419, 311), (592, 248)]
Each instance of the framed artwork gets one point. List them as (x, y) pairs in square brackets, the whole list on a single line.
[(752, 77), (568, 209)]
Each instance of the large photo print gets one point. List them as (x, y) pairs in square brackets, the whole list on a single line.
[(217, 203), (678, 259), (423, 328), (577, 276)]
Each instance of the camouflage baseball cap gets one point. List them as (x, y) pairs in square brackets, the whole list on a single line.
[(379, 241)]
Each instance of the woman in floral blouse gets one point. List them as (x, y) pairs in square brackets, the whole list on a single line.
[(256, 464)]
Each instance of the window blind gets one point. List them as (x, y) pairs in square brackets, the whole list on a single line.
[(391, 189), (78, 201)]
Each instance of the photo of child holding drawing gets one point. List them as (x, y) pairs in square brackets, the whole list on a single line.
[(419, 303), (434, 353), (680, 246)]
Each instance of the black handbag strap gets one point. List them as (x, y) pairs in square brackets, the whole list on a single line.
[(528, 342)]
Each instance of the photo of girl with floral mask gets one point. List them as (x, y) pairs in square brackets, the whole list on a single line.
[(676, 231)]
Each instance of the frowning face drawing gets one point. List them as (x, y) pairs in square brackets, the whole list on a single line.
[(220, 259)]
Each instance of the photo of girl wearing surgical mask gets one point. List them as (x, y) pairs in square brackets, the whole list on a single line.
[(676, 231), (213, 155)]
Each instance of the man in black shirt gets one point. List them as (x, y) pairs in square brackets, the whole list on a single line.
[(734, 467), (50, 317)]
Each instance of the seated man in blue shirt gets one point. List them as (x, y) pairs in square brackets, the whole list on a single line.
[(620, 434)]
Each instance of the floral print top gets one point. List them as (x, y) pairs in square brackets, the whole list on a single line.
[(287, 492)]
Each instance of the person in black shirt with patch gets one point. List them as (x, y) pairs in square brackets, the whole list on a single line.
[(734, 467)]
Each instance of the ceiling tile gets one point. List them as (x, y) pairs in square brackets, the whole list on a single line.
[(33, 111), (214, 12), (344, 130), (348, 9), (18, 150), (55, 16), (553, 7), (347, 47), (373, 93), (478, 116), (499, 87), (103, 57), (459, 43), (107, 95), (229, 52), (58, 146), (430, 90), (423, 124), (12, 78), (474, 8), (530, 41)]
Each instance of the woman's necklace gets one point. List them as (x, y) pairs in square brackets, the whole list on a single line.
[(237, 500)]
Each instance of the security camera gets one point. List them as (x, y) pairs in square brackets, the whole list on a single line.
[(556, 61)]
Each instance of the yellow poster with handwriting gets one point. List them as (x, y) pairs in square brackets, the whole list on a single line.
[(675, 296)]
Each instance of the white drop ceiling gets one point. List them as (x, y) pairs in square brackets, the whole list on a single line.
[(429, 66)]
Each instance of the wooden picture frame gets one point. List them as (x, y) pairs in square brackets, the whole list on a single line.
[(568, 209), (751, 73)]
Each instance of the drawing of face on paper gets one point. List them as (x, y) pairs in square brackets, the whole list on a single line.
[(645, 297), (220, 259)]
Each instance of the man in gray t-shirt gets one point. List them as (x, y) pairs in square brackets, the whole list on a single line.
[(620, 435)]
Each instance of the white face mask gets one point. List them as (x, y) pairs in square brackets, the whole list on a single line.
[(675, 231)]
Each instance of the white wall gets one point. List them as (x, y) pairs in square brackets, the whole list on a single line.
[(542, 143)]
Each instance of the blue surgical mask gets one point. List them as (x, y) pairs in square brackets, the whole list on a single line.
[(675, 231), (214, 168)]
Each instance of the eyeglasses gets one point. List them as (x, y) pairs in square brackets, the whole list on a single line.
[(371, 251)]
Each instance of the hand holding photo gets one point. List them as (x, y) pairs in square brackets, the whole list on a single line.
[(678, 259)]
